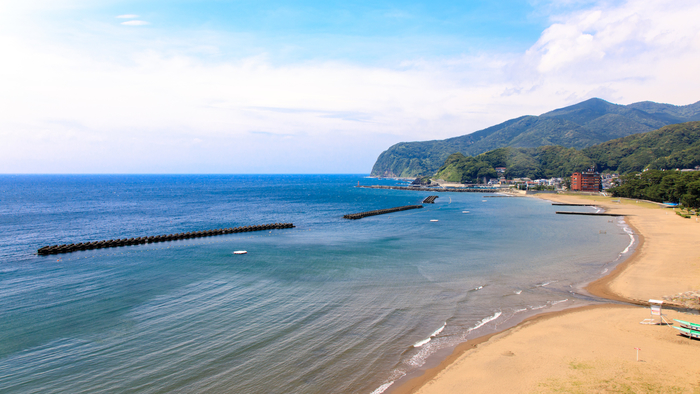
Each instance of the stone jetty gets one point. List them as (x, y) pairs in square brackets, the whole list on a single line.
[(589, 213), (380, 212), (113, 243), (430, 200)]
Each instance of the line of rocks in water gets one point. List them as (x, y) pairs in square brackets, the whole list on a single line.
[(380, 212), (430, 200), (113, 243)]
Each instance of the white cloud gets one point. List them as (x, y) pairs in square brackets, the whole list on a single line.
[(639, 50), (127, 103), (135, 23), (127, 16)]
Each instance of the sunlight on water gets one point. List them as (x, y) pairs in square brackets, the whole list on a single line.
[(332, 305)]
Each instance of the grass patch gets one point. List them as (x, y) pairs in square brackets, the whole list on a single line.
[(609, 377), (577, 365)]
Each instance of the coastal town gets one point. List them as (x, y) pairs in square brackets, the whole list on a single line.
[(581, 181)]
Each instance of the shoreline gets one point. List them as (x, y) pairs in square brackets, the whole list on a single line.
[(601, 287)]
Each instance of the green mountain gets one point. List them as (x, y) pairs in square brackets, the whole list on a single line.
[(674, 146), (578, 126)]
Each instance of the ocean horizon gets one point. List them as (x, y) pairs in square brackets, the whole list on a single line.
[(332, 305)]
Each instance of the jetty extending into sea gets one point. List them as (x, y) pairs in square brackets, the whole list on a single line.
[(588, 213), (360, 215), (113, 243)]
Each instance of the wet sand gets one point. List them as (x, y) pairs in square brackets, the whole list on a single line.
[(592, 349)]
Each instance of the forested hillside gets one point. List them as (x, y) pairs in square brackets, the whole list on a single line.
[(674, 186), (675, 146), (582, 125)]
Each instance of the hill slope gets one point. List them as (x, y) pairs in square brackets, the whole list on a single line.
[(674, 146), (578, 126)]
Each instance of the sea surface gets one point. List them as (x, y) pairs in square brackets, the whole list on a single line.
[(330, 306)]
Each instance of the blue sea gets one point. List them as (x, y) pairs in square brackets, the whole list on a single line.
[(330, 306)]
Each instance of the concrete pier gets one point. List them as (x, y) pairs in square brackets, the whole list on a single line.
[(588, 213), (361, 215)]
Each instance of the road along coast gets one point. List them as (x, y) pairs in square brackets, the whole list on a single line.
[(601, 348)]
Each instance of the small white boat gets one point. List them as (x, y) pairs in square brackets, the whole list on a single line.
[(465, 211), (433, 220), (240, 252)]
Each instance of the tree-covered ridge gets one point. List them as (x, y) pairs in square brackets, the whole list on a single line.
[(578, 126), (674, 186), (675, 146), (534, 163)]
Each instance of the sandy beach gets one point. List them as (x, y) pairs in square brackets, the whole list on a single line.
[(601, 348)]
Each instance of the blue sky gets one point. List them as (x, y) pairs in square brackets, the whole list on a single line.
[(360, 31), (312, 87)]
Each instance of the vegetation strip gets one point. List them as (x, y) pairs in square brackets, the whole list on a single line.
[(361, 215), (663, 186), (113, 243)]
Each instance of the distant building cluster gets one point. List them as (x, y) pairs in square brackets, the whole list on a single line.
[(584, 181), (525, 183)]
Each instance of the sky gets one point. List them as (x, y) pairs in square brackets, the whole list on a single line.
[(267, 87)]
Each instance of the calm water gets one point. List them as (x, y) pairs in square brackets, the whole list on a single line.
[(333, 305)]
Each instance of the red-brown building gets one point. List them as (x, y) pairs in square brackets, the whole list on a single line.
[(586, 181)]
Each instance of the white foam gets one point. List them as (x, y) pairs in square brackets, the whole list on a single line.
[(559, 302), (433, 335), (534, 308), (486, 320), (627, 249), (518, 291), (478, 288), (439, 330), (382, 388), (421, 343), (520, 310)]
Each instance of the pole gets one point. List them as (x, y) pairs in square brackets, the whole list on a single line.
[(638, 349)]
